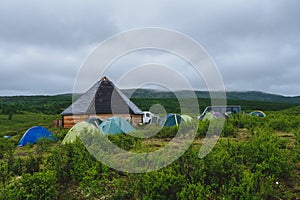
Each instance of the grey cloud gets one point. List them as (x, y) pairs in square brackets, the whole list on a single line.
[(255, 44), (38, 70), (55, 23)]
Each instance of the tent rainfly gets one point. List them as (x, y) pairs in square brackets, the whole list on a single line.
[(78, 130), (258, 113), (115, 125), (186, 118), (103, 100), (34, 134), (94, 121), (171, 120)]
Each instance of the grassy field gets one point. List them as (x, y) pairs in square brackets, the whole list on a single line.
[(21, 122), (256, 158)]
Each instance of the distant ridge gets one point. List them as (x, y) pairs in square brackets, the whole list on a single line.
[(232, 95), (151, 93)]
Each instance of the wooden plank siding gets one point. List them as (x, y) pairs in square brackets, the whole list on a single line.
[(69, 121)]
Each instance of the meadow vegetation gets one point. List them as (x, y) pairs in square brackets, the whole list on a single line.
[(255, 158)]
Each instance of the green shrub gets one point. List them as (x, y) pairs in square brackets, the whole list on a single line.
[(162, 184), (168, 132), (60, 133), (147, 131), (280, 123), (96, 183), (252, 185), (18, 167), (125, 142), (40, 185), (264, 153), (228, 129), (202, 128), (6, 147), (194, 191), (70, 162), (32, 164)]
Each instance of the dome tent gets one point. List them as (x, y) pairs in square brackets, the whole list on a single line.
[(34, 134), (94, 121), (171, 120), (115, 125), (186, 118), (77, 130), (258, 113)]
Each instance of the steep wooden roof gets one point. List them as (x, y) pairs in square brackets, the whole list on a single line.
[(102, 98)]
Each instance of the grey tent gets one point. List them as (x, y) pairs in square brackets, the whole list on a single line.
[(94, 121)]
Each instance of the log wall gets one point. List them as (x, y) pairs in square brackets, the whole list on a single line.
[(70, 120)]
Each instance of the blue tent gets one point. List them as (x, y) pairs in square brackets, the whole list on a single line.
[(171, 120), (115, 125), (258, 113), (35, 133)]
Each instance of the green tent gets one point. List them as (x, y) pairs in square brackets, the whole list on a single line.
[(79, 129), (115, 125), (171, 120), (186, 118)]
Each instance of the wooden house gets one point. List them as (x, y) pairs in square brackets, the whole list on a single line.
[(102, 100)]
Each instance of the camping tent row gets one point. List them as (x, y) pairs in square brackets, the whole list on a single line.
[(113, 126), (110, 126), (170, 119)]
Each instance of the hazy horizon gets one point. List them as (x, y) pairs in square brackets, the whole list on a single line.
[(123, 89)]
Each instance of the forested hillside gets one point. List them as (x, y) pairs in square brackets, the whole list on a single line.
[(230, 95), (38, 104), (56, 104)]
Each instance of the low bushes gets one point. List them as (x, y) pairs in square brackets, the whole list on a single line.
[(262, 166), (39, 185)]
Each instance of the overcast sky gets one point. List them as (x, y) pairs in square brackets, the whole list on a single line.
[(254, 43)]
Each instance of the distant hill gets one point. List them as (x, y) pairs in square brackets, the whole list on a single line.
[(262, 96), (145, 98), (247, 95), (294, 110), (54, 104), (150, 93)]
